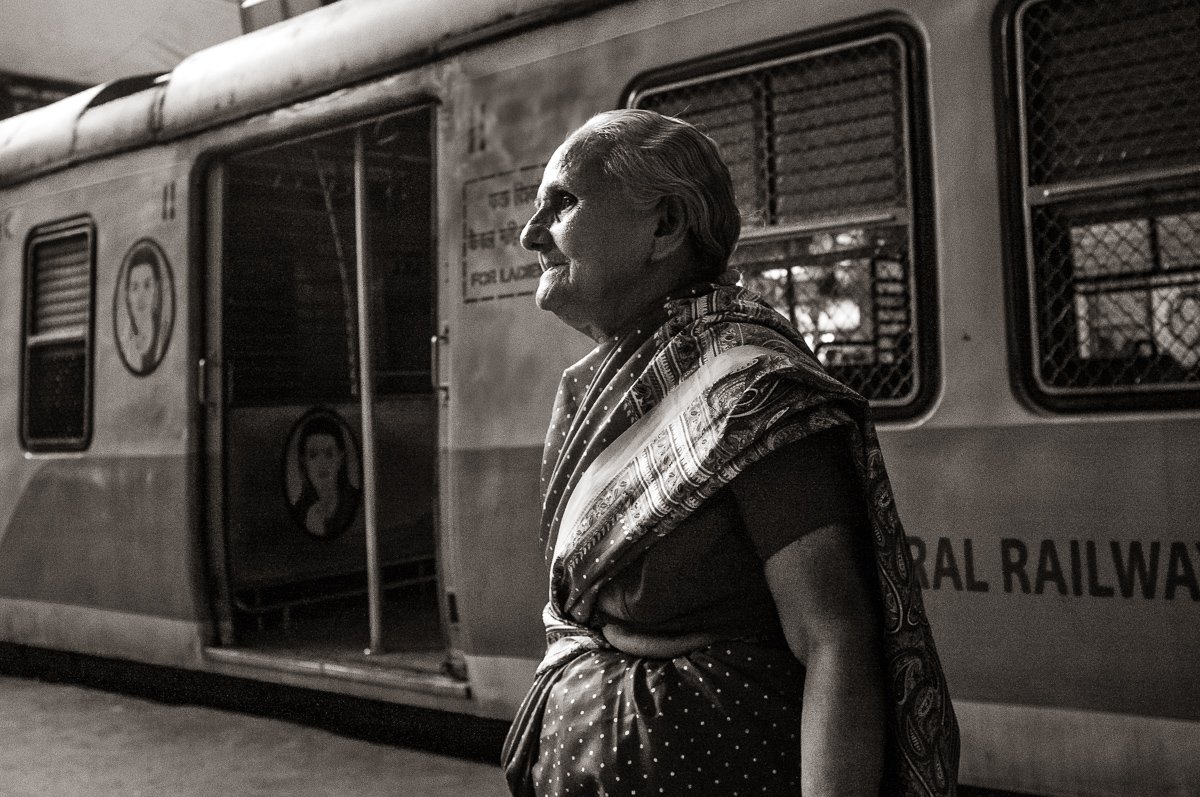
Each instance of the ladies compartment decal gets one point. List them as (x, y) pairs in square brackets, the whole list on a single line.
[(495, 209), (322, 473), (144, 307)]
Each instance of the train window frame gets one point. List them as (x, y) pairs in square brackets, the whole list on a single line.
[(80, 335), (916, 218), (1094, 205)]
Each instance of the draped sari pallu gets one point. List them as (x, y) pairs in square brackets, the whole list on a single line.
[(649, 426)]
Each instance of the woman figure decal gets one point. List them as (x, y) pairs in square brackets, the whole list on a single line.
[(143, 314), (328, 499)]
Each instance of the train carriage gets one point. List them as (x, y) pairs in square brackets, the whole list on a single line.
[(277, 388)]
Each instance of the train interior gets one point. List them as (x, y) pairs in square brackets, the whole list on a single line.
[(295, 500)]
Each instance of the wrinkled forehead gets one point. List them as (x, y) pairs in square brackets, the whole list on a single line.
[(578, 156)]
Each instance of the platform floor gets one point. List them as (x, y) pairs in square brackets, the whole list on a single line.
[(62, 740)]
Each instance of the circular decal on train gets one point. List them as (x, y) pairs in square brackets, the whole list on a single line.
[(322, 473), (144, 307)]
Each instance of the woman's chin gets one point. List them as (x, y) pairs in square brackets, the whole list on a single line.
[(549, 290)]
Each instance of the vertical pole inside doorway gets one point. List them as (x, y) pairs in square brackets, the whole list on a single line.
[(366, 381)]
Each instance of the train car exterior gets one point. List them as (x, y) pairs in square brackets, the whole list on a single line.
[(985, 216)]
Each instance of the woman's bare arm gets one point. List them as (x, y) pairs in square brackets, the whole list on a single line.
[(827, 606), (829, 620)]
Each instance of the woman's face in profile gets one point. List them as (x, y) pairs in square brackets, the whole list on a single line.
[(143, 293), (593, 244), (322, 460)]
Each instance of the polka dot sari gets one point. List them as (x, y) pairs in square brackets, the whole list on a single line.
[(721, 720), (647, 428)]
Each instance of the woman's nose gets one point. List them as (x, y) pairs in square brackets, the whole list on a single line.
[(535, 237)]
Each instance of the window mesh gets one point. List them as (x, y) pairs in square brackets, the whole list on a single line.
[(818, 145), (56, 398), (1110, 86), (1119, 298), (1111, 117), (57, 407), (848, 292)]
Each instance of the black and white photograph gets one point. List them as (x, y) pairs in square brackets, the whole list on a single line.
[(600, 398)]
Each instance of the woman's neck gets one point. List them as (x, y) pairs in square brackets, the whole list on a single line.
[(652, 311)]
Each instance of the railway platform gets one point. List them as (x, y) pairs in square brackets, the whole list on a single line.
[(69, 740)]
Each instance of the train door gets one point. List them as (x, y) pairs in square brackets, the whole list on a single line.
[(316, 390)]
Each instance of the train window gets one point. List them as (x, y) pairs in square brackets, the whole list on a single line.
[(823, 141), (1105, 210), (291, 309), (56, 396)]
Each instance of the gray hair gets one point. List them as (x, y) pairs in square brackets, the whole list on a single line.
[(653, 156)]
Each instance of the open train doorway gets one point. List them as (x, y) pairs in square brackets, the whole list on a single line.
[(314, 383)]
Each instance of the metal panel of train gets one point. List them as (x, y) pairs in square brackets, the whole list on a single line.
[(277, 389)]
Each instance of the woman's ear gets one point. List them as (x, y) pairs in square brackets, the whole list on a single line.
[(671, 231)]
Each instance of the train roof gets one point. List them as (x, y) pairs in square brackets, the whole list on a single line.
[(342, 43)]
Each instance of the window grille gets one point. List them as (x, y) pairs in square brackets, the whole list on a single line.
[(56, 397), (821, 147), (1109, 116)]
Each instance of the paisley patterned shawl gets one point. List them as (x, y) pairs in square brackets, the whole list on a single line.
[(649, 426)]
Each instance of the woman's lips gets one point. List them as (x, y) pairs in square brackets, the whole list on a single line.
[(547, 266)]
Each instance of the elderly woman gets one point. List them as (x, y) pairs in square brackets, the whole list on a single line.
[(731, 593)]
